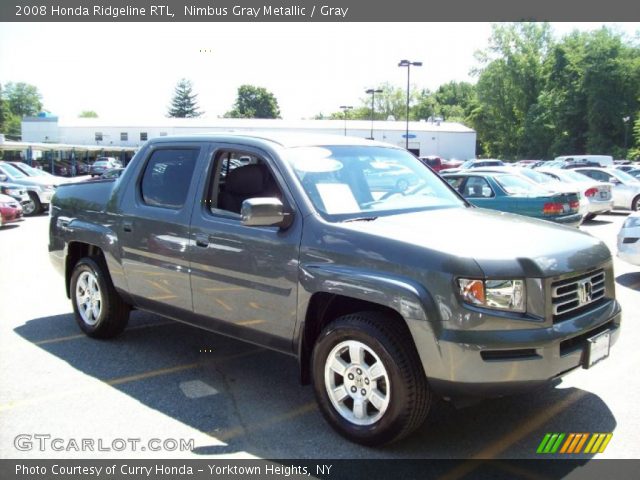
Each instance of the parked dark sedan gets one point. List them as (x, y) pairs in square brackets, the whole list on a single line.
[(511, 193)]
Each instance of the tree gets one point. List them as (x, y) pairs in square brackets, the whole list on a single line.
[(184, 104), (88, 114), (254, 102), (509, 84), (19, 100), (22, 99)]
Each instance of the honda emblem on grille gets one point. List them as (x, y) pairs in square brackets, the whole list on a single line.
[(585, 291)]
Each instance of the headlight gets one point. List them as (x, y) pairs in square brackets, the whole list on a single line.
[(498, 294), (631, 222)]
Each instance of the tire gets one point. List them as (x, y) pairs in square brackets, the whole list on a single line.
[(384, 401), (589, 216), (29, 208), (98, 309), (635, 205), (37, 205)]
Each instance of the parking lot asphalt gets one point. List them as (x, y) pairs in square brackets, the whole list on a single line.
[(162, 383)]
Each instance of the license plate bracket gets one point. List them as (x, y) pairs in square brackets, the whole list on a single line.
[(598, 348)]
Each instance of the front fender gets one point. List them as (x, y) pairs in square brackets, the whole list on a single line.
[(410, 299)]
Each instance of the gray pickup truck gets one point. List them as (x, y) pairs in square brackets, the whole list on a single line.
[(387, 293)]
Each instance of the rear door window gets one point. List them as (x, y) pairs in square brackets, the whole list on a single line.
[(167, 176)]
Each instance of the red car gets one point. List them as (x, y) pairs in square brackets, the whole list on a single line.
[(10, 210)]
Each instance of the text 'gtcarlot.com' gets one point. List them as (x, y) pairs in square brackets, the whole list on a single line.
[(44, 442)]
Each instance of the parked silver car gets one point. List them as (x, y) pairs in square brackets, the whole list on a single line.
[(626, 188), (40, 189)]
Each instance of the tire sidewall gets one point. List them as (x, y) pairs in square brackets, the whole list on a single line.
[(88, 265), (37, 205), (387, 427)]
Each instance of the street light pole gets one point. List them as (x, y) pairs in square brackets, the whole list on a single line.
[(626, 129), (345, 109), (372, 92), (408, 64)]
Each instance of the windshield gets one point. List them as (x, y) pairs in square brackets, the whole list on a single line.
[(516, 185), (101, 163), (12, 171), (624, 176), (346, 182)]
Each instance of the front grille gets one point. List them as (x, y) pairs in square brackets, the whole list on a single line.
[(577, 294)]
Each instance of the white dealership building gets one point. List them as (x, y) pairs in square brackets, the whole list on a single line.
[(445, 139)]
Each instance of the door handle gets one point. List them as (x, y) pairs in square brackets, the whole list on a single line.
[(127, 226), (202, 240)]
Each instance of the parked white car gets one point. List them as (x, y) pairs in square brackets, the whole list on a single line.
[(626, 188), (598, 194), (629, 239), (602, 160)]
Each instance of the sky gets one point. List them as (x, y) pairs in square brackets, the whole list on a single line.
[(125, 70)]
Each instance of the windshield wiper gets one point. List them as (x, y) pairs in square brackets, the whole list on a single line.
[(361, 219)]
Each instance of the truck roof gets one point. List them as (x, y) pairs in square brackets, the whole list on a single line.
[(283, 139)]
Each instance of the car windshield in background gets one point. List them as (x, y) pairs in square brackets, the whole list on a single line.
[(13, 171), (624, 176), (101, 163), (569, 175), (358, 181), (515, 185)]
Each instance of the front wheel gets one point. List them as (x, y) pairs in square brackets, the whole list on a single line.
[(35, 206), (635, 205), (98, 309), (368, 378)]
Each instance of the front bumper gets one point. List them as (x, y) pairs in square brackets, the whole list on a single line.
[(46, 196), (629, 251), (490, 363)]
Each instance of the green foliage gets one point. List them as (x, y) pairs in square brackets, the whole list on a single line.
[(540, 99), (183, 103), (18, 100), (509, 83), (88, 114), (254, 102), (22, 99)]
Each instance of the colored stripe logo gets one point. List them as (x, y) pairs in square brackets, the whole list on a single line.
[(574, 443)]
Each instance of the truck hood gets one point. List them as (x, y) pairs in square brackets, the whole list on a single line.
[(501, 244)]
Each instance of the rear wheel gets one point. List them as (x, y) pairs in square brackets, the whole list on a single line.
[(589, 216), (368, 379), (99, 310), (635, 205)]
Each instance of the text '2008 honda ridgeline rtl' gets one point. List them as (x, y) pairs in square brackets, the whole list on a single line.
[(386, 285)]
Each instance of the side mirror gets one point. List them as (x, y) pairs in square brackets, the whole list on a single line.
[(3, 177), (264, 212), (615, 181)]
